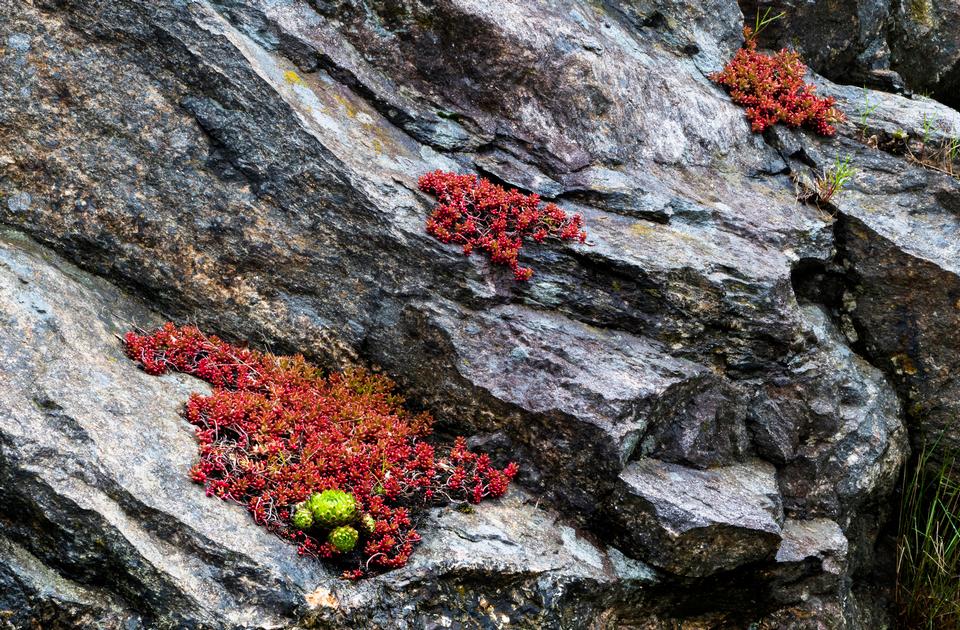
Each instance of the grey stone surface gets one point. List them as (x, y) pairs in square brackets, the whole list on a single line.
[(699, 522), (854, 436), (101, 525), (717, 375), (821, 539)]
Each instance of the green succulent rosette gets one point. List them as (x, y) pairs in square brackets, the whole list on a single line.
[(303, 517), (343, 538), (332, 508)]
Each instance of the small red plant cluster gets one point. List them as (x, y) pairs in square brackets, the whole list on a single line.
[(473, 212), (773, 90), (276, 430)]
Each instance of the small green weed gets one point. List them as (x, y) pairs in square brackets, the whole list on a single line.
[(867, 111)]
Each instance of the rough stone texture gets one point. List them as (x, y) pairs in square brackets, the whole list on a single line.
[(251, 166), (843, 40), (101, 525), (909, 308), (696, 523), (853, 438), (926, 46), (893, 281), (820, 539), (889, 44)]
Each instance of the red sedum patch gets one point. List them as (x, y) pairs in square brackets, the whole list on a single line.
[(275, 430), (772, 89), (473, 212)]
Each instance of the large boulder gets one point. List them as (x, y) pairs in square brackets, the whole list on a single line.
[(101, 526), (700, 396), (890, 44)]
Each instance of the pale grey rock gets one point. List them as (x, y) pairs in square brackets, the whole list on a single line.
[(819, 539)]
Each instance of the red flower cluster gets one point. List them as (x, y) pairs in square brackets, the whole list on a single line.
[(478, 214), (275, 430), (773, 90)]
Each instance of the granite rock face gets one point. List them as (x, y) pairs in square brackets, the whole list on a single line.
[(707, 399)]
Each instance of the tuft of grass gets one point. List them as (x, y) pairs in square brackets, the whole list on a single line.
[(867, 111), (947, 156), (834, 179), (765, 20), (936, 154), (929, 125), (952, 148), (933, 146), (928, 544)]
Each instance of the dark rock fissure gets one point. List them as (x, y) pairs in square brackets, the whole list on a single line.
[(827, 283), (831, 283)]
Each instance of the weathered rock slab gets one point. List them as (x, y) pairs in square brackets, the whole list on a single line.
[(699, 522)]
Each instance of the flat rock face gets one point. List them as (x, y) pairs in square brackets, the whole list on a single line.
[(820, 539), (706, 399)]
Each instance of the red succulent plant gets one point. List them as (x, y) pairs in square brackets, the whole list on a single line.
[(772, 89), (479, 215), (276, 429)]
